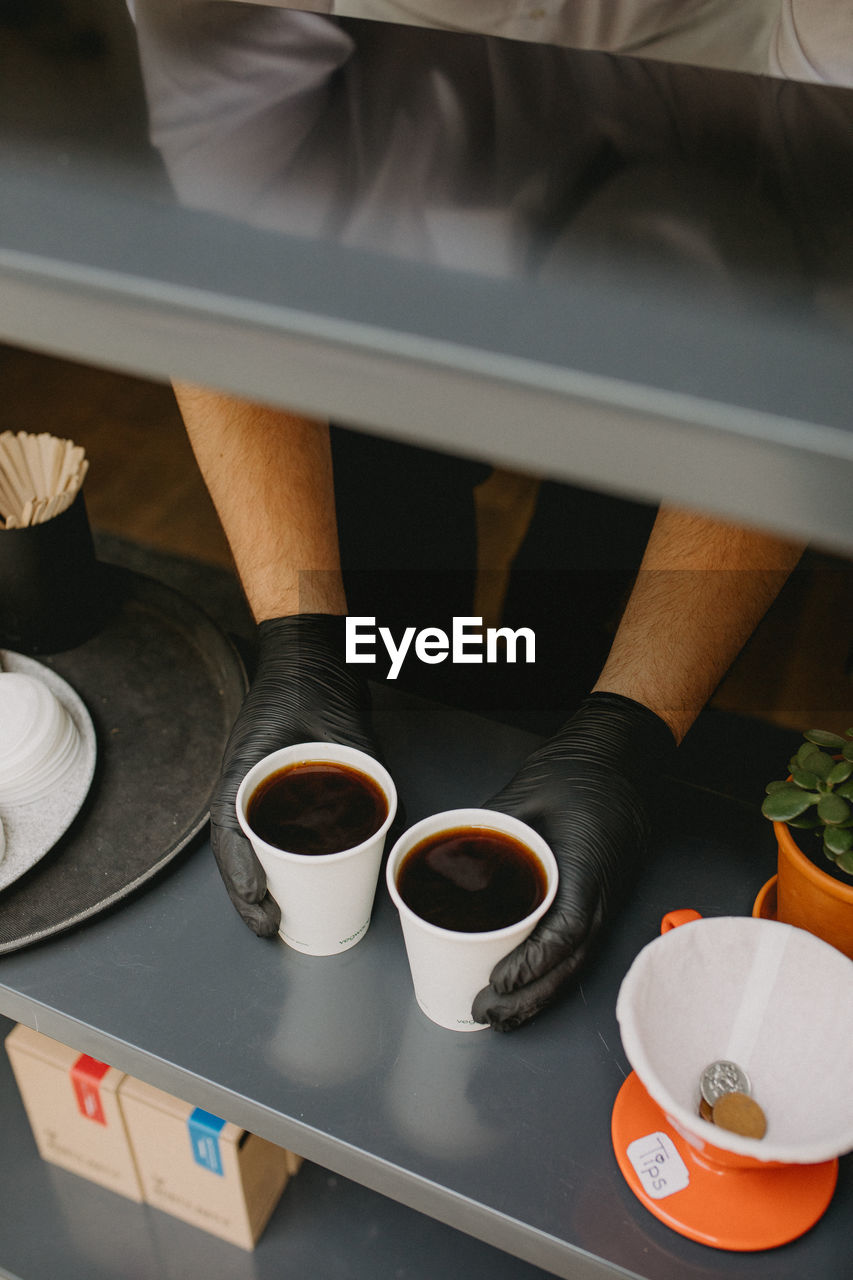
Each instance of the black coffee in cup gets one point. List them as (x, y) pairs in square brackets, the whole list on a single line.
[(471, 880), (316, 807)]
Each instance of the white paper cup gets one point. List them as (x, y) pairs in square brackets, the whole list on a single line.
[(449, 967), (325, 899)]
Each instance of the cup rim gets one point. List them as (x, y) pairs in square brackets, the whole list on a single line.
[(474, 817), (331, 751)]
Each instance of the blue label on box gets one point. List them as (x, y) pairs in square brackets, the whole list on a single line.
[(204, 1137)]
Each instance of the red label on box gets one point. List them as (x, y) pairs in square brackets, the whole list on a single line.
[(86, 1075)]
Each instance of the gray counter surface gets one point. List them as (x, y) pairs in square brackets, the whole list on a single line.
[(503, 1137)]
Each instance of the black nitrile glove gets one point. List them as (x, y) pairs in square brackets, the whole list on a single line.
[(584, 792), (302, 691)]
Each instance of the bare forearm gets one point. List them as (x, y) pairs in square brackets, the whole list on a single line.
[(702, 588), (269, 473)]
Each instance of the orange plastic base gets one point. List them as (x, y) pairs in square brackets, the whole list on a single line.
[(741, 1209)]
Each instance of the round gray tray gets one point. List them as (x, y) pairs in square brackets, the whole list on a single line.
[(163, 685)]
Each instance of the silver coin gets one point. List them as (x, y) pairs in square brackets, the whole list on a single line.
[(723, 1077)]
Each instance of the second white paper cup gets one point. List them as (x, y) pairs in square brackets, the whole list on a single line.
[(325, 900), (448, 967)]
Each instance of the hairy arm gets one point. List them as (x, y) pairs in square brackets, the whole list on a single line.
[(269, 473), (702, 588)]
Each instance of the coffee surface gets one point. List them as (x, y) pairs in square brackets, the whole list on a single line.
[(316, 807), (471, 880)]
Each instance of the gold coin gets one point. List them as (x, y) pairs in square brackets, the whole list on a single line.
[(740, 1114), (706, 1111)]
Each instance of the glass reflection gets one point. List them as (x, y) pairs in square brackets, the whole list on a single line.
[(808, 40), (500, 157)]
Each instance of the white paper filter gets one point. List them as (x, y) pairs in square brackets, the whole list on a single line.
[(775, 1000), (39, 742)]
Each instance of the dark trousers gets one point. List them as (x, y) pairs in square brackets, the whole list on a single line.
[(407, 528)]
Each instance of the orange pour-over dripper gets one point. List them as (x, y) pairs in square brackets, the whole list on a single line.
[(717, 1203), (712, 1186)]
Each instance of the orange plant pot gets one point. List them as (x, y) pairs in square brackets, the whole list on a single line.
[(810, 898)]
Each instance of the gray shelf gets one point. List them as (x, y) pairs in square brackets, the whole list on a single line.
[(505, 1138), (449, 311), (324, 1226)]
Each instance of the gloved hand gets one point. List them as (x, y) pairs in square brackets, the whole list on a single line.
[(302, 691), (584, 792)]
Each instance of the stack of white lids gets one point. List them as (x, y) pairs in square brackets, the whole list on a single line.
[(39, 742)]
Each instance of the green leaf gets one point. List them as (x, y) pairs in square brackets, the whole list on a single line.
[(838, 840), (821, 738), (802, 756), (776, 786), (845, 789), (781, 806), (805, 778), (806, 822), (821, 764), (832, 809), (840, 772), (845, 862), (848, 751)]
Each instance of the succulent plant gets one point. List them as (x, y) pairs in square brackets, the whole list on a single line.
[(818, 795)]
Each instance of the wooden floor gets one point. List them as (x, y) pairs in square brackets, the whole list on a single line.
[(143, 482), (143, 485)]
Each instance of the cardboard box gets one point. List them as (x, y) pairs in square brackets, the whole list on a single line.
[(72, 1105), (204, 1170)]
